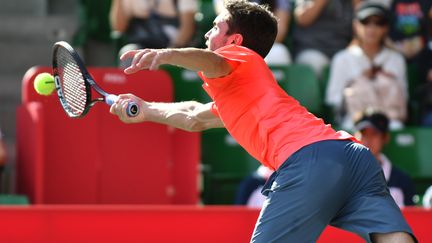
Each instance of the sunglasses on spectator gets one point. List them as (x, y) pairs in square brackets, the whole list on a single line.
[(377, 22)]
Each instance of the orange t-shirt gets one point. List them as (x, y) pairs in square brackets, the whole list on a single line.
[(258, 113)]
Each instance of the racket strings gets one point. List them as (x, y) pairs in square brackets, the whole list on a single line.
[(72, 82)]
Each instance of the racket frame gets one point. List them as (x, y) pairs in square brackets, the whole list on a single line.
[(88, 82)]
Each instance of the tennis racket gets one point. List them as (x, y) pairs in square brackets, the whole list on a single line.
[(74, 83)]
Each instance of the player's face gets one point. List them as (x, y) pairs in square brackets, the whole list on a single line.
[(216, 37), (373, 139)]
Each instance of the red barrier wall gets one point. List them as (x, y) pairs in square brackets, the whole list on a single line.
[(97, 158), (130, 224)]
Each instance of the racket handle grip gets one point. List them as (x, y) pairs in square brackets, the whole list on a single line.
[(132, 109)]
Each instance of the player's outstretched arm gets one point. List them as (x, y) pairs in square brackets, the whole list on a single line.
[(188, 115), (210, 63)]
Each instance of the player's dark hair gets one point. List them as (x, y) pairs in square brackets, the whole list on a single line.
[(256, 23)]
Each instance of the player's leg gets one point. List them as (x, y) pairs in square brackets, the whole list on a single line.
[(370, 211), (303, 195), (393, 237)]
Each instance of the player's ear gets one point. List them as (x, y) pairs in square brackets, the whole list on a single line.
[(236, 39)]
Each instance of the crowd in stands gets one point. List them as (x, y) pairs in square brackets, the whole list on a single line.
[(154, 24), (369, 47), (370, 54)]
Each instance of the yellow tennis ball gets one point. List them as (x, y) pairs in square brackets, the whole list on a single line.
[(44, 84)]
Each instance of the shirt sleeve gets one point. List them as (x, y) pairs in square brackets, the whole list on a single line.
[(234, 57)]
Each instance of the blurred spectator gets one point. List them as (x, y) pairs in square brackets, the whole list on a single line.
[(279, 54), (249, 190), (427, 198), (424, 94), (154, 23), (410, 35), (367, 73), (373, 131), (322, 28), (409, 31), (2, 156)]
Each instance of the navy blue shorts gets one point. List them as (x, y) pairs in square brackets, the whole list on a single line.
[(332, 182)]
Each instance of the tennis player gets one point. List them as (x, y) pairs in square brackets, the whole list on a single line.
[(321, 176)]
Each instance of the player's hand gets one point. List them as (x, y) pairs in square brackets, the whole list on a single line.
[(119, 108), (144, 59)]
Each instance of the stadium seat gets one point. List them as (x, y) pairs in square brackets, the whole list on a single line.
[(187, 84), (94, 21), (410, 150), (327, 112), (325, 76), (300, 82), (12, 199), (279, 72), (98, 159), (225, 163)]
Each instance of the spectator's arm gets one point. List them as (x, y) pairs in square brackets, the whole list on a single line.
[(2, 153), (307, 12), (430, 21), (355, 3), (430, 14), (186, 30), (119, 19), (283, 24)]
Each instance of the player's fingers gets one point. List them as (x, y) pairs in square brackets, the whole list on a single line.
[(124, 102), (130, 70), (128, 96), (114, 109), (133, 68), (131, 54), (146, 60), (124, 105), (128, 54), (118, 110), (137, 58)]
